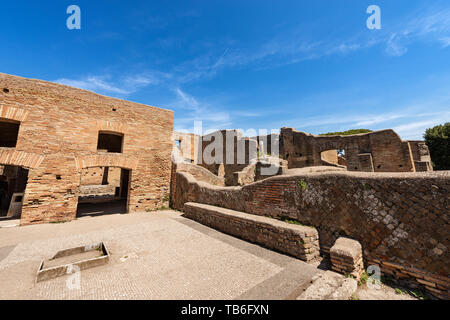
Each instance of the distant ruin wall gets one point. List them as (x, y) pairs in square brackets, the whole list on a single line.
[(188, 144), (400, 219), (230, 153), (379, 151)]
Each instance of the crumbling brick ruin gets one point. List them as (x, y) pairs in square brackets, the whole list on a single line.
[(55, 133), (61, 148), (227, 154), (398, 215), (379, 151), (400, 219)]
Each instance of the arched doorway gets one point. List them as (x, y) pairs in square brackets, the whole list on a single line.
[(13, 182), (103, 190)]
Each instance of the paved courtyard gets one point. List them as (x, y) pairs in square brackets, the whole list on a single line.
[(157, 255)]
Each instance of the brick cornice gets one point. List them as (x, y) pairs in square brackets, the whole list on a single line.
[(111, 126), (11, 113), (107, 160), (20, 158)]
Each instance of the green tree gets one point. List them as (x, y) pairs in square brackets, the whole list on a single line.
[(346, 133), (437, 140)]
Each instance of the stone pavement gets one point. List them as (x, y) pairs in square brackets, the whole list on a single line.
[(157, 255)]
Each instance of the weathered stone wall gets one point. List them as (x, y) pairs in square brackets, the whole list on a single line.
[(379, 151), (400, 219), (58, 134)]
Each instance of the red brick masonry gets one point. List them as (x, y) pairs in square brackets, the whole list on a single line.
[(58, 134)]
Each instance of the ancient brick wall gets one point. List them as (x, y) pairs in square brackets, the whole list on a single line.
[(379, 151), (400, 219), (58, 135)]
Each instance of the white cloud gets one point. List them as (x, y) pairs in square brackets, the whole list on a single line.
[(420, 26), (415, 130), (121, 86), (194, 110), (393, 46), (445, 42), (93, 83)]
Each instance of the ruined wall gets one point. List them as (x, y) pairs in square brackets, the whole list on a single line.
[(188, 144), (262, 169), (330, 156), (58, 137), (226, 146), (400, 219), (379, 151), (268, 144), (421, 155)]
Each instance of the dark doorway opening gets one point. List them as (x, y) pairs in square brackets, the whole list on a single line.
[(13, 182), (103, 190), (110, 142), (9, 131)]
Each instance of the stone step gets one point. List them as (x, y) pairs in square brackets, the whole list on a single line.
[(329, 285), (299, 241)]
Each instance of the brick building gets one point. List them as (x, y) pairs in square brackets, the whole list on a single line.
[(51, 135)]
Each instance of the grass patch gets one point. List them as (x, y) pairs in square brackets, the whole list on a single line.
[(419, 294), (354, 297), (346, 133), (157, 209), (293, 221), (303, 185), (363, 279), (416, 293)]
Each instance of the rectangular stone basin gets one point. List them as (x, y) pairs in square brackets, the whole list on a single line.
[(69, 260)]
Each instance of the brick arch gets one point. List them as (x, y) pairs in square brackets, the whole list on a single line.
[(20, 158), (111, 126), (329, 144), (14, 114), (106, 160)]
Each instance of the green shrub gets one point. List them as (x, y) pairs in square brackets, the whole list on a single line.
[(437, 140), (346, 133)]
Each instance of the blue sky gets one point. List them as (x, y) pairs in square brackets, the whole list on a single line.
[(311, 65)]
